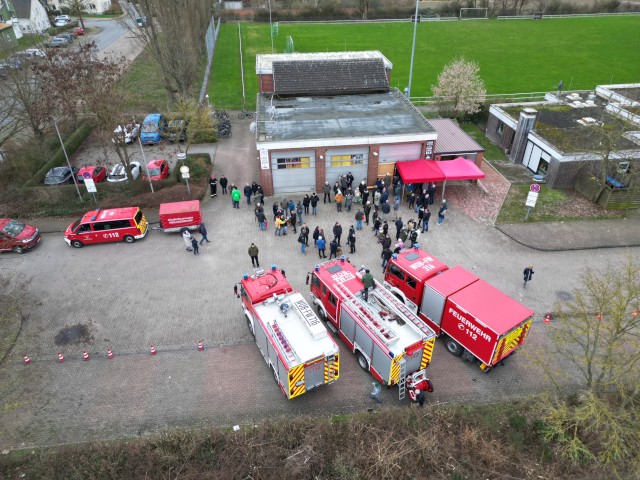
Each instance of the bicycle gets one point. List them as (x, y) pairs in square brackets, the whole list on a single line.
[(244, 114)]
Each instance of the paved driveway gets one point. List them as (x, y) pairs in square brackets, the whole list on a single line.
[(155, 292)]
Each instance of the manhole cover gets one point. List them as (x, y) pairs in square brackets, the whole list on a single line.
[(562, 295), (73, 335)]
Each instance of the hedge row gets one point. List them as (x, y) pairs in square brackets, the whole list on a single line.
[(53, 31), (71, 144)]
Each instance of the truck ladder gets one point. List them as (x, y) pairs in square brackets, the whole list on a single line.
[(402, 383), (392, 301), (384, 333), (283, 343)]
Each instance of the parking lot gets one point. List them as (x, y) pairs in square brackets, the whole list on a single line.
[(128, 297)]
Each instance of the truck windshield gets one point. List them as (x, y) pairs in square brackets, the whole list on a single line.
[(13, 228)]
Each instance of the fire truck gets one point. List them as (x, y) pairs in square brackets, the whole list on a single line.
[(293, 341), (389, 340), (477, 321)]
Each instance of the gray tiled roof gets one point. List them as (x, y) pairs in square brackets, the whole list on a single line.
[(329, 77)]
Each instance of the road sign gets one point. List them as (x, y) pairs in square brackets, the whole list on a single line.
[(186, 175), (532, 197), (90, 184), (86, 175), (535, 188)]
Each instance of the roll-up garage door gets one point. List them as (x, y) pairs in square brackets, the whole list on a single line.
[(400, 152), (293, 171), (344, 160)]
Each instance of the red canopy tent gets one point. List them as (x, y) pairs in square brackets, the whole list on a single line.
[(459, 169)]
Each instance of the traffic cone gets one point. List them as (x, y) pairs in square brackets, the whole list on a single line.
[(110, 354), (547, 319), (27, 360), (153, 350), (60, 357), (200, 346), (85, 355)]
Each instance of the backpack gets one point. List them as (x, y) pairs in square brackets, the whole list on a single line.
[(301, 238)]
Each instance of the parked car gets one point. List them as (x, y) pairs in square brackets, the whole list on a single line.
[(78, 32), (131, 131), (30, 53), (157, 169), (57, 42), (153, 127), (98, 174), (16, 236), (66, 18), (61, 23), (60, 175), (118, 173), (177, 130), (69, 36), (13, 63)]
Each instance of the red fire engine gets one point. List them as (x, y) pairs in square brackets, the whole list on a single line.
[(389, 340), (293, 341), (477, 321)]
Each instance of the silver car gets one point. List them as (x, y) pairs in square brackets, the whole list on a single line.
[(119, 174)]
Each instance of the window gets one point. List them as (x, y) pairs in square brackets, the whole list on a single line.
[(332, 299), (412, 282), (315, 281), (543, 166), (500, 127), (294, 162), (394, 270), (347, 160), (324, 290), (85, 227)]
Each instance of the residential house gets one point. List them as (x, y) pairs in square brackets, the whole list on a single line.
[(32, 16)]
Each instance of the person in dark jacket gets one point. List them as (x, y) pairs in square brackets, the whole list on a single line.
[(223, 184), (376, 226), (292, 221), (359, 218), (314, 203), (385, 228), (399, 225), (213, 184), (247, 193), (333, 249), (432, 193), (442, 211), (316, 234), (367, 211), (306, 201), (262, 220), (326, 189), (386, 241), (386, 256), (203, 231), (322, 245), (425, 220), (304, 231), (254, 188), (194, 243), (337, 232), (351, 239), (253, 253), (528, 274)]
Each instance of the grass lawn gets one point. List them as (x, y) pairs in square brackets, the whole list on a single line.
[(491, 151), (144, 79), (514, 56)]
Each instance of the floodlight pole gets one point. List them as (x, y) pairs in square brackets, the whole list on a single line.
[(64, 150), (144, 157), (271, 26), (413, 49)]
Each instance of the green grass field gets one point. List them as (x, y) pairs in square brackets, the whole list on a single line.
[(514, 56)]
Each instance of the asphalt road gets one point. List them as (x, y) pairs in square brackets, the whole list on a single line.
[(154, 292)]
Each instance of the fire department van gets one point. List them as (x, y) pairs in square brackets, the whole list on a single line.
[(292, 339), (109, 225), (389, 340), (475, 319)]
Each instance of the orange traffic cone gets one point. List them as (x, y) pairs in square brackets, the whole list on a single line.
[(547, 319), (200, 346), (85, 355), (27, 360), (153, 350), (109, 353), (60, 357)]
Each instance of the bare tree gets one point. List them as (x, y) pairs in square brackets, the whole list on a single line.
[(461, 87)]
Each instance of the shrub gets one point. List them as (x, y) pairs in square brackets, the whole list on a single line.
[(53, 31), (205, 135), (198, 164)]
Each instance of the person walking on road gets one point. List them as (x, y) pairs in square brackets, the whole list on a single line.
[(326, 189), (442, 211), (301, 241), (368, 282), (203, 231), (235, 197), (223, 184), (528, 274), (194, 245), (253, 253), (322, 245), (248, 192), (213, 184)]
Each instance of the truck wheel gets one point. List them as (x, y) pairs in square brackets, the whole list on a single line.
[(399, 297), (129, 239), (76, 244), (321, 314), (363, 362), (454, 347), (275, 377)]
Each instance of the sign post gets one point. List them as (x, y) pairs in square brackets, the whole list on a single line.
[(184, 170), (532, 198), (91, 186)]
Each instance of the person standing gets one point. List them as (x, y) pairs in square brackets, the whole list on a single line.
[(386, 208), (399, 225), (293, 221), (306, 201), (223, 184), (339, 198), (528, 274), (321, 247), (253, 253), (305, 232), (254, 188), (348, 200), (281, 226), (326, 189), (203, 231), (442, 211), (351, 240), (316, 235), (262, 220), (314, 203), (337, 232), (359, 218), (425, 220), (299, 211), (187, 237), (367, 211), (248, 192), (235, 197), (432, 193), (333, 249), (213, 184), (194, 245), (301, 241), (386, 256), (368, 282)]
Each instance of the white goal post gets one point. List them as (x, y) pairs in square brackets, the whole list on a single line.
[(474, 13)]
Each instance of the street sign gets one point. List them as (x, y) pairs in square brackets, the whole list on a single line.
[(86, 175), (535, 188), (90, 184), (532, 197), (184, 169), (186, 175)]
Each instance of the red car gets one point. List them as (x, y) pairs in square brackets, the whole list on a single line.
[(79, 31), (98, 174), (157, 169), (17, 236)]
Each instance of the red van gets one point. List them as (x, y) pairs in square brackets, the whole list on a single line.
[(110, 225)]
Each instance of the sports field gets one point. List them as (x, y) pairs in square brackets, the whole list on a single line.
[(514, 56)]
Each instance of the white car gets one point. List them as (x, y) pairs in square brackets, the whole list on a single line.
[(66, 18), (30, 53), (61, 23), (130, 132), (118, 173)]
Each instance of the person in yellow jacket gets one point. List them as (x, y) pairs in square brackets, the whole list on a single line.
[(281, 225), (339, 199)]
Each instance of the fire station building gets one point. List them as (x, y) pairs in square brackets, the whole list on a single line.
[(320, 115)]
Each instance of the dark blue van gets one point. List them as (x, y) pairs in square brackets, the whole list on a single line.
[(153, 127)]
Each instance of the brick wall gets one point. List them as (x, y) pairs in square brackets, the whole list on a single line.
[(372, 170), (266, 180), (265, 83), (321, 176)]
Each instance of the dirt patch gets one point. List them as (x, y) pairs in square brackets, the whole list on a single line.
[(78, 334)]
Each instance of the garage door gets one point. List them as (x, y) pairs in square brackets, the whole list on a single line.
[(341, 161), (400, 153), (293, 172)]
